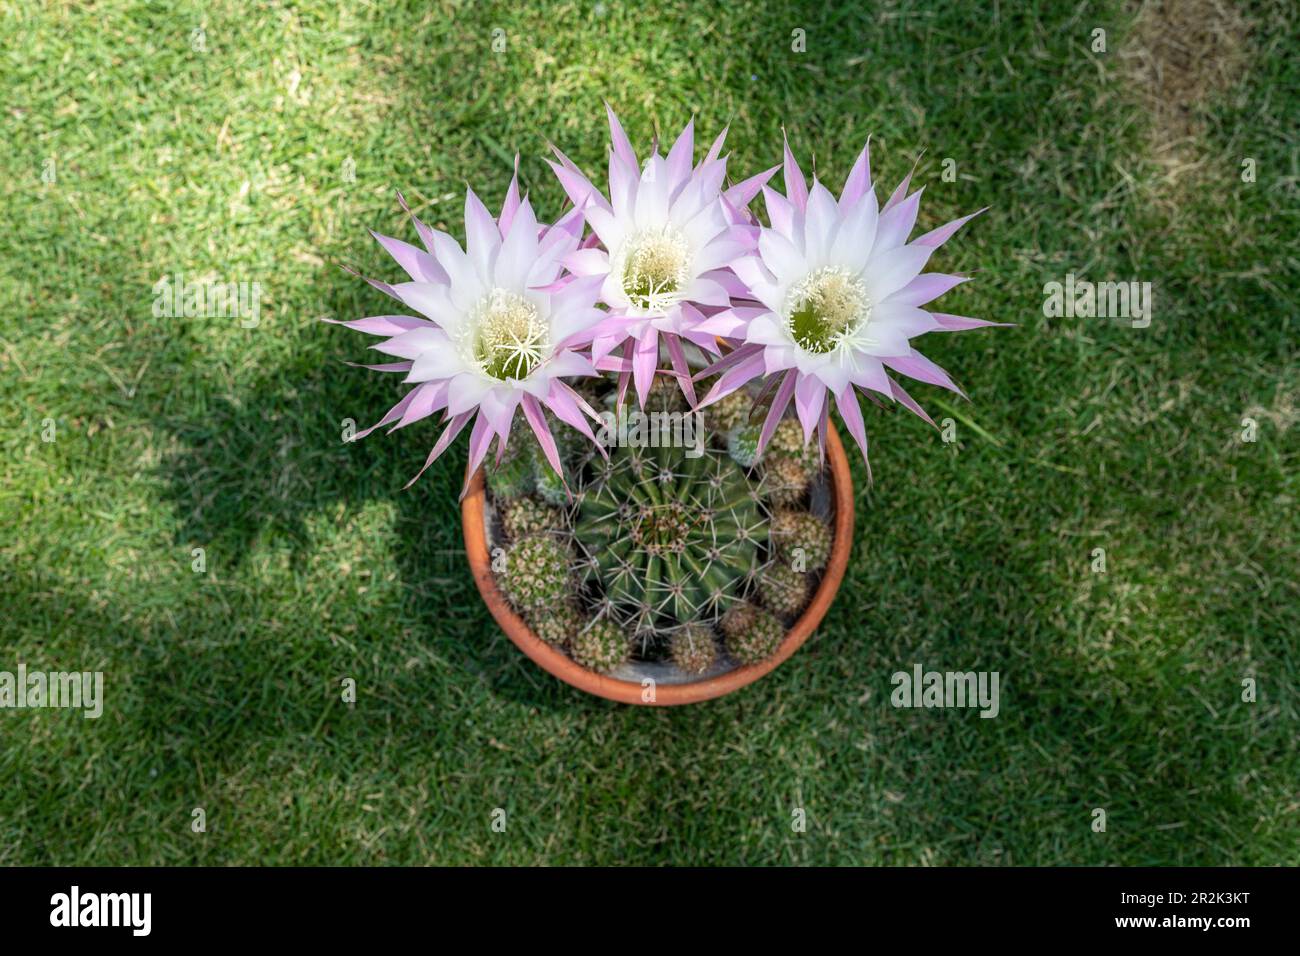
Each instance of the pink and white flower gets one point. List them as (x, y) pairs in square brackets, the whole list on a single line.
[(838, 292), (667, 235), (498, 327)]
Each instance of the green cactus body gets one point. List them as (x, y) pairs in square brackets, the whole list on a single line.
[(670, 539), (513, 477), (550, 484)]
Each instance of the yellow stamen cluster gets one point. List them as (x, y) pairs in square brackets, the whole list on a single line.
[(826, 307), (510, 337), (655, 268)]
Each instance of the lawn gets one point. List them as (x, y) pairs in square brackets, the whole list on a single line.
[(253, 142)]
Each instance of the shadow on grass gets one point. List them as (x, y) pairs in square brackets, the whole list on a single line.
[(262, 463)]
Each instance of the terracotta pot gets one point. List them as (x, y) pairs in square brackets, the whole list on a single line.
[(474, 519)]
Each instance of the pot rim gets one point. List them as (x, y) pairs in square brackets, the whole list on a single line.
[(558, 664)]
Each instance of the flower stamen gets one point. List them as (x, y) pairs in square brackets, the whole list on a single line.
[(509, 338), (654, 266), (827, 309)]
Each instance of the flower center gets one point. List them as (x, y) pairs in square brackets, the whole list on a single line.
[(654, 268), (825, 308), (509, 338)]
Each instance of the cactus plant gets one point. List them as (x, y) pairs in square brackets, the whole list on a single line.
[(802, 539), (513, 475), (752, 634), (784, 590), (670, 538), (600, 646), (667, 544), (693, 648), (536, 573)]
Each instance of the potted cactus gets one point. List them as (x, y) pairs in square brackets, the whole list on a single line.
[(671, 573), (689, 554)]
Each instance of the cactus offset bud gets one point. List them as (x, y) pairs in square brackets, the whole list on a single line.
[(527, 515), (693, 649), (752, 634), (742, 445), (800, 535), (788, 442), (730, 412), (785, 480), (783, 590), (600, 646), (556, 626), (536, 574)]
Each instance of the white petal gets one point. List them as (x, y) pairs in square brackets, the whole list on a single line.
[(906, 319), (518, 252), (706, 291), (465, 287), (651, 210), (834, 376), (869, 373), (717, 255), (821, 226), (781, 257), (436, 364), (852, 249), (890, 270), (465, 391), (429, 300), (765, 330)]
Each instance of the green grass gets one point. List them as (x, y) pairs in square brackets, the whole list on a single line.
[(1120, 691)]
